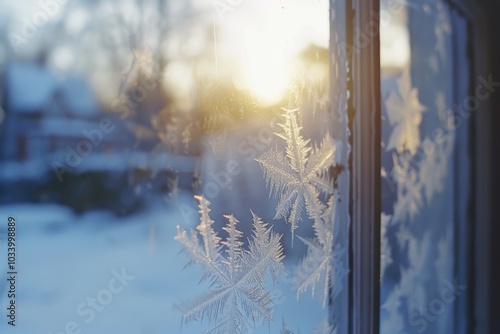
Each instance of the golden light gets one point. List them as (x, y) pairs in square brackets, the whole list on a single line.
[(267, 80), (256, 46), (265, 39), (264, 67)]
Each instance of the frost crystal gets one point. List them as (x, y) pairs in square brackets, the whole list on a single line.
[(405, 115), (237, 275), (284, 328), (322, 262), (298, 176), (409, 200)]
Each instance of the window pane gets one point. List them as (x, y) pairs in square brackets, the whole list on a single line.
[(273, 145), (148, 127), (425, 158)]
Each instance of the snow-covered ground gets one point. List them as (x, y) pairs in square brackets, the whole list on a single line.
[(63, 259)]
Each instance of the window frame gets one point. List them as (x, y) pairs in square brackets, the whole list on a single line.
[(363, 172), (481, 219), (365, 123)]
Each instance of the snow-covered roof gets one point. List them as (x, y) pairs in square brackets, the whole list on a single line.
[(29, 87), (32, 88)]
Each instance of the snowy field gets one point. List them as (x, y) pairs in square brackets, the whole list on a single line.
[(131, 264)]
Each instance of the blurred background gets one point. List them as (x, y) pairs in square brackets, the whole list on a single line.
[(113, 114), (106, 102)]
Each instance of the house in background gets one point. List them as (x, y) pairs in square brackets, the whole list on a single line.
[(44, 114), (49, 125)]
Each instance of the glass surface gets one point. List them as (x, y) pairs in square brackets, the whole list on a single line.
[(425, 159), (128, 127)]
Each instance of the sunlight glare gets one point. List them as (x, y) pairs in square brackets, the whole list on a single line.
[(267, 38), (265, 69)]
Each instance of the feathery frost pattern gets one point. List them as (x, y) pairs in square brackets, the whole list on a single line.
[(298, 176), (284, 328), (237, 296), (320, 265)]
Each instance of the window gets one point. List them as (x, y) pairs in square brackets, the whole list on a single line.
[(429, 115), (402, 125), (426, 169), (309, 166)]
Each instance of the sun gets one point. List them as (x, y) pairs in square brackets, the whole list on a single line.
[(265, 69), (266, 39)]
